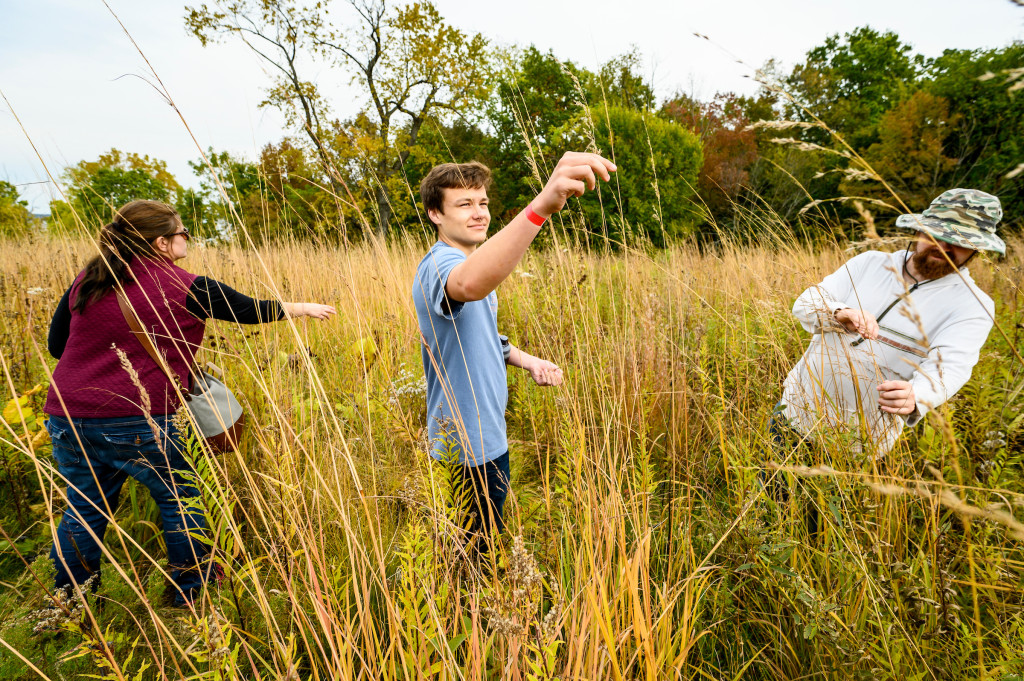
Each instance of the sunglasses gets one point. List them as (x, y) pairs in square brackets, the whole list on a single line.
[(183, 232)]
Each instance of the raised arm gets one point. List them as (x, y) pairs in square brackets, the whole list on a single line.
[(495, 259)]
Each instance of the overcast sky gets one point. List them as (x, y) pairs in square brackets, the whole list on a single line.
[(70, 73)]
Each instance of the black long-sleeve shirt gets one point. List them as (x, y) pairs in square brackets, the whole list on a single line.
[(207, 299)]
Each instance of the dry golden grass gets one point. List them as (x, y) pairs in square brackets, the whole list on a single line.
[(634, 490)]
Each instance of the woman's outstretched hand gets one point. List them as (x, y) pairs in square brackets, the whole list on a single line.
[(314, 310)]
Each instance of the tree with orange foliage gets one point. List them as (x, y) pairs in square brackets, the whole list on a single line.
[(729, 147), (910, 154)]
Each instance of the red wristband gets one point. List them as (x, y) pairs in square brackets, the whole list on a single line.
[(532, 216)]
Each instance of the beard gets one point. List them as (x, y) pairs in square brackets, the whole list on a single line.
[(932, 268)]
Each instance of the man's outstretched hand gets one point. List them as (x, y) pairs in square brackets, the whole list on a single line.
[(575, 173)]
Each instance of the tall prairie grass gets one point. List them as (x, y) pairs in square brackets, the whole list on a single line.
[(639, 545)]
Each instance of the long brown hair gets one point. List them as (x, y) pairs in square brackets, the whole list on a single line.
[(131, 234)]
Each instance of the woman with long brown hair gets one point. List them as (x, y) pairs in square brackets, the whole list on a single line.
[(111, 406)]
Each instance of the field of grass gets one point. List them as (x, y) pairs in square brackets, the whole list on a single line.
[(640, 544)]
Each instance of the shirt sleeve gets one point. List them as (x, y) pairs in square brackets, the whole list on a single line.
[(953, 352), (433, 277), (816, 307), (60, 326), (209, 298)]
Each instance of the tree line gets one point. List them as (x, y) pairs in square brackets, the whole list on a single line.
[(831, 146)]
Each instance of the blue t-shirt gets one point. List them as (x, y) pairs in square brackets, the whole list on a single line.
[(467, 390)]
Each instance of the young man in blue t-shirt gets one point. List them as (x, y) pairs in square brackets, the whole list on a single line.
[(464, 356)]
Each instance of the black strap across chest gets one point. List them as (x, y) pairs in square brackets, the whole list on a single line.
[(893, 303)]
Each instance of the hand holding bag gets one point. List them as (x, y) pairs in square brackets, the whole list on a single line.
[(217, 413)]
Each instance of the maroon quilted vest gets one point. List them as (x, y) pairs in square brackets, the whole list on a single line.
[(90, 381)]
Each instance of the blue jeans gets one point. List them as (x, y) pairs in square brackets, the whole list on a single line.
[(96, 468)]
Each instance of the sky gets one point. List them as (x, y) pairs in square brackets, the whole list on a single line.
[(78, 86)]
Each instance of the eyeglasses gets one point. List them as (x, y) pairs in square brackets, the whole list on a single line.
[(183, 232)]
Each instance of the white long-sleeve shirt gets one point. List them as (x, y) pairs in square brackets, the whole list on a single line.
[(931, 338)]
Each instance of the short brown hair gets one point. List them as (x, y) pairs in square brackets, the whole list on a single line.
[(452, 176)]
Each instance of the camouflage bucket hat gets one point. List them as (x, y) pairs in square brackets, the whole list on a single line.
[(962, 217)]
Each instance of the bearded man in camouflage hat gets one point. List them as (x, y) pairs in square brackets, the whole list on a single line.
[(894, 334)]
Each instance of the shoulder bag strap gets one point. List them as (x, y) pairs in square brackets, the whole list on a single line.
[(147, 345)]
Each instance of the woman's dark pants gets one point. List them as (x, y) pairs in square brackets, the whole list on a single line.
[(96, 457)]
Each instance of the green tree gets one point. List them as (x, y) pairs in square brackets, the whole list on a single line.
[(852, 80), (411, 64), (297, 202), (849, 83), (230, 179), (987, 132), (231, 190), (95, 189), (537, 98), (15, 218), (651, 196), (197, 215), (620, 82), (283, 194)]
